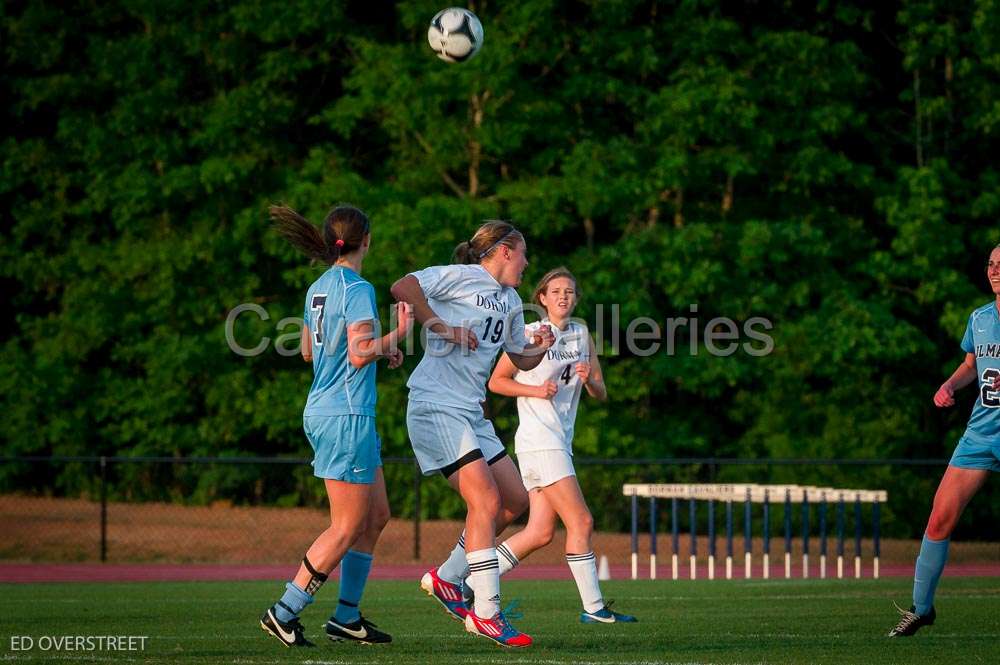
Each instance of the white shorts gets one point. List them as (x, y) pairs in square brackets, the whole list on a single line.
[(541, 468), (444, 438)]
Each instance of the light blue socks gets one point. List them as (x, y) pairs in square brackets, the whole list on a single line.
[(354, 569), (930, 564), (293, 602)]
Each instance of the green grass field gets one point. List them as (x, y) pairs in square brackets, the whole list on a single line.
[(680, 622)]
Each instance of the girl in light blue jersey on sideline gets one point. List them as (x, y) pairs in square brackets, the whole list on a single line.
[(340, 338), (976, 455)]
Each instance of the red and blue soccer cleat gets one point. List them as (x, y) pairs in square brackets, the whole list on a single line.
[(446, 593), (497, 629)]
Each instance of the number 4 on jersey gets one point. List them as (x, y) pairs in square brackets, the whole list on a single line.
[(567, 374)]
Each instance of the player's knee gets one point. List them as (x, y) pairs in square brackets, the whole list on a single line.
[(940, 524), (581, 525), (538, 536), (334, 538), (377, 519), (346, 530), (516, 503), (485, 505)]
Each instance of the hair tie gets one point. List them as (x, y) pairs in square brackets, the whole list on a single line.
[(496, 244), (339, 243)]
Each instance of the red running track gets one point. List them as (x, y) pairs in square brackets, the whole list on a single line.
[(155, 572)]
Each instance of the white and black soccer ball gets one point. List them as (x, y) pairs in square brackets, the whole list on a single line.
[(455, 34)]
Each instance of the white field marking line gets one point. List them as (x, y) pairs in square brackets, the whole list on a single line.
[(813, 596), (55, 599), (533, 661), (46, 656), (255, 638), (781, 635), (963, 636), (715, 599), (250, 661), (848, 593)]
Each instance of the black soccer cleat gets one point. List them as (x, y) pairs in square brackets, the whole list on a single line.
[(290, 634), (362, 631), (910, 622)]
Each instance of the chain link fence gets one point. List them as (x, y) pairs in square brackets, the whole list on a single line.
[(268, 510)]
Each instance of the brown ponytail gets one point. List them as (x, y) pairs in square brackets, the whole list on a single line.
[(344, 231), (463, 253), (487, 239)]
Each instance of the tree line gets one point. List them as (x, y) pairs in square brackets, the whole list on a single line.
[(828, 167)]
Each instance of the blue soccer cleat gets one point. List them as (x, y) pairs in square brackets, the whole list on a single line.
[(605, 615)]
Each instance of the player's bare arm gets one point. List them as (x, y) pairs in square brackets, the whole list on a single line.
[(364, 347), (964, 375), (591, 375), (541, 341), (306, 345), (502, 382), (407, 289)]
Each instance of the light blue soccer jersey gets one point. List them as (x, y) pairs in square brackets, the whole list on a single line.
[(340, 297), (982, 337)]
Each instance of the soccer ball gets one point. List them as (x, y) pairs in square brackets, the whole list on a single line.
[(455, 34)]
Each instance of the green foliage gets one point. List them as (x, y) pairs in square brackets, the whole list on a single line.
[(830, 169)]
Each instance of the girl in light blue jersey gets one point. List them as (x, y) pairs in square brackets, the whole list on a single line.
[(975, 456), (340, 338)]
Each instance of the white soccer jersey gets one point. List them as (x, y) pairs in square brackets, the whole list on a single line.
[(547, 424), (468, 296)]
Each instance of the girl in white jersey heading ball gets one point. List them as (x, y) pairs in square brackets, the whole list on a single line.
[(547, 399), (470, 310)]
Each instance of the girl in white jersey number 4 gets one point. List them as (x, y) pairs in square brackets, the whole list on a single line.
[(470, 310), (547, 399)]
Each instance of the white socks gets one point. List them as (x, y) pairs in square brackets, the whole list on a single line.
[(507, 558), (456, 566), (484, 579), (584, 569), (482, 570)]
